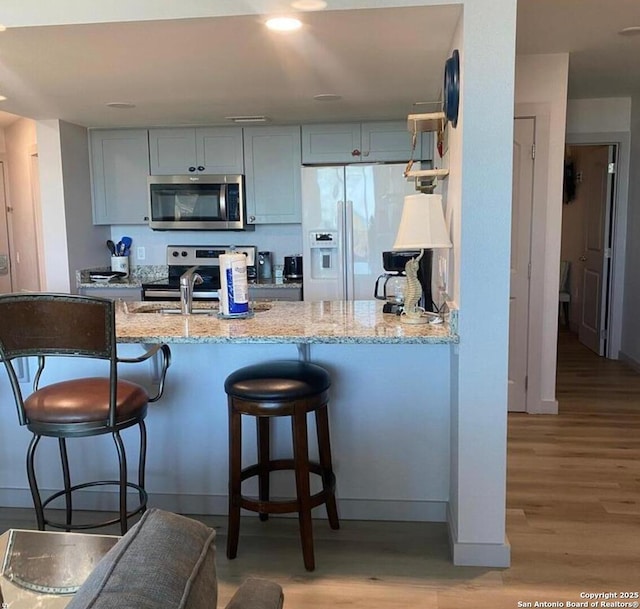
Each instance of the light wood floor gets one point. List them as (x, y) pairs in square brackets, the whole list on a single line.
[(573, 518)]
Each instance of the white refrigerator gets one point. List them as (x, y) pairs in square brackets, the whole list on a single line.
[(350, 215)]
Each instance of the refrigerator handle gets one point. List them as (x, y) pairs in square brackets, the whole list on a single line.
[(342, 271), (348, 252)]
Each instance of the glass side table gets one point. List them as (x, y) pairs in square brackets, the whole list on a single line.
[(45, 568)]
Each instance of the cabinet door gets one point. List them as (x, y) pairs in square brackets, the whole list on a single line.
[(331, 143), (272, 159), (388, 141), (172, 151), (119, 170), (219, 150)]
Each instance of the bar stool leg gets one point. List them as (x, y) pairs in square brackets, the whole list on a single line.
[(122, 461), (328, 477), (235, 467), (33, 483), (66, 477), (301, 461), (142, 462), (264, 455)]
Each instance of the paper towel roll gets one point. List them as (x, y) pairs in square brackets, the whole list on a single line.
[(234, 289)]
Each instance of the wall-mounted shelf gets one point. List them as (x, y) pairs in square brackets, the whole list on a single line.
[(427, 173), (432, 121)]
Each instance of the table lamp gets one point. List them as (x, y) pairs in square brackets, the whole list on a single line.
[(421, 227)]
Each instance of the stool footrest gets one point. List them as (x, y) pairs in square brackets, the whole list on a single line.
[(286, 506), (94, 525)]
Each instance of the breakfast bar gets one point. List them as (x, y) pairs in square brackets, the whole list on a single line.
[(325, 322), (389, 407)]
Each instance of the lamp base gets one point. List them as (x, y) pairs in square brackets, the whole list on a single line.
[(414, 317)]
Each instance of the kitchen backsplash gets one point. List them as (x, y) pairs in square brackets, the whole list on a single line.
[(280, 239)]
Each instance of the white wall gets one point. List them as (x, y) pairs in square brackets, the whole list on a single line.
[(599, 115), (631, 338), (87, 247), (477, 503), (541, 88)]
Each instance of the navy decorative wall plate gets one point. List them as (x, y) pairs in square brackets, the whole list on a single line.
[(451, 90)]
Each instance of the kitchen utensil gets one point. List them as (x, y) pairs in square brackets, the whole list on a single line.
[(112, 247), (126, 242)]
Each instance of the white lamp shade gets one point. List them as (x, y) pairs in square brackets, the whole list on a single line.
[(422, 224)]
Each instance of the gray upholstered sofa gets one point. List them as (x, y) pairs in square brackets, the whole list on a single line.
[(166, 561)]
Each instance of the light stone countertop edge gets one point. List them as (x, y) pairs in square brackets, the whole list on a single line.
[(282, 322)]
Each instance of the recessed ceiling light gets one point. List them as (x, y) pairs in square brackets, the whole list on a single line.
[(309, 5), (327, 97), (248, 119), (121, 105), (3, 98), (634, 30), (284, 24), (3, 27)]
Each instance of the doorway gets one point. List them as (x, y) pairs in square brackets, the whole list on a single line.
[(587, 243)]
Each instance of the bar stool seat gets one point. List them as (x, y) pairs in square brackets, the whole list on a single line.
[(276, 389)]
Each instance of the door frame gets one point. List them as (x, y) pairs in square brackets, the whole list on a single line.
[(535, 349), (619, 233)]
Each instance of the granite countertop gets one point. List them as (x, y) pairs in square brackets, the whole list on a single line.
[(329, 322)]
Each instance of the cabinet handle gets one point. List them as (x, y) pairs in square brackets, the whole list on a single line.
[(252, 218), (192, 169), (146, 218), (356, 152), (200, 168)]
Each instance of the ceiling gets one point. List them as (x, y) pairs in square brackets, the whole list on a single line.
[(199, 71)]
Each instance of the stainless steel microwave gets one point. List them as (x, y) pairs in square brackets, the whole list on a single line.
[(197, 202)]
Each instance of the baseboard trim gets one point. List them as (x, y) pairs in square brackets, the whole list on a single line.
[(466, 554), (630, 361), (544, 407), (217, 505)]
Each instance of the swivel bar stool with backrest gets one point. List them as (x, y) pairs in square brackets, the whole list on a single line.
[(277, 389), (45, 325)]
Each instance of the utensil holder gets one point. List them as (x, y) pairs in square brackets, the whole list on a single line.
[(120, 264)]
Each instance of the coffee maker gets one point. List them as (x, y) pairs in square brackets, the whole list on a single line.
[(389, 286)]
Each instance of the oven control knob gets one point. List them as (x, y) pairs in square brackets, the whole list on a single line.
[(175, 254), (184, 254)]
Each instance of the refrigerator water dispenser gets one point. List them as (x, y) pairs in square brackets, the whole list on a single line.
[(324, 252)]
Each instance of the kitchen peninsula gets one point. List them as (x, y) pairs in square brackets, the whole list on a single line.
[(389, 410), (326, 322)]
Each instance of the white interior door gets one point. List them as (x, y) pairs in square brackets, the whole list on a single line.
[(5, 264), (597, 186), (521, 212)]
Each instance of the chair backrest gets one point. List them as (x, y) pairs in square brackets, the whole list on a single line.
[(564, 275), (56, 324), (42, 325)]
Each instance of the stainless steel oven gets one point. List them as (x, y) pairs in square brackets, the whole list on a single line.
[(180, 258)]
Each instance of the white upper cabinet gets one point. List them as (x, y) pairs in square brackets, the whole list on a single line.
[(386, 141), (119, 170), (212, 150), (272, 163)]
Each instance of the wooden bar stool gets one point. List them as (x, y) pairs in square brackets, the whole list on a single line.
[(278, 389)]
